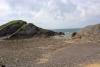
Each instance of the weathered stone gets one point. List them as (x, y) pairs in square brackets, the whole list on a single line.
[(91, 32), (11, 27), (21, 29)]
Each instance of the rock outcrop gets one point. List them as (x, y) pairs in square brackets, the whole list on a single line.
[(91, 32), (11, 27), (22, 29)]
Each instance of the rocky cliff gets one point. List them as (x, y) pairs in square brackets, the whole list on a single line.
[(22, 29)]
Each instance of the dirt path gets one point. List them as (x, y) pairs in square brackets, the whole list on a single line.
[(79, 55)]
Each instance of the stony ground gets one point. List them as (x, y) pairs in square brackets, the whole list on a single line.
[(79, 55), (49, 53)]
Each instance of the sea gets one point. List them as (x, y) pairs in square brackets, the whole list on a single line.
[(67, 32)]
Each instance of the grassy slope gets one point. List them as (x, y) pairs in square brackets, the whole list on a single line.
[(14, 22)]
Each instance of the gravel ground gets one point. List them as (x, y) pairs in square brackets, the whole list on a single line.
[(78, 55), (48, 53)]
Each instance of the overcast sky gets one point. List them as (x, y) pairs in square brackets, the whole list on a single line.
[(51, 13)]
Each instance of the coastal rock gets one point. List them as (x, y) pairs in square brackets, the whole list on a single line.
[(30, 30), (91, 32), (27, 30), (11, 27), (22, 29)]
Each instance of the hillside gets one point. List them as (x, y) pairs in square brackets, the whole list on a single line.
[(91, 32), (22, 29)]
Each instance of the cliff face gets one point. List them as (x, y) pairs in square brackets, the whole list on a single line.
[(91, 32), (22, 29), (11, 27)]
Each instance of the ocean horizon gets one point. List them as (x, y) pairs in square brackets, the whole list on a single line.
[(67, 32)]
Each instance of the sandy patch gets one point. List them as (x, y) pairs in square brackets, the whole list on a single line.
[(93, 65), (44, 59)]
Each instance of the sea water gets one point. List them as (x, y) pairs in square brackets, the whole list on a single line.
[(67, 32)]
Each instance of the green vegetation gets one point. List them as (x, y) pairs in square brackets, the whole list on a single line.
[(11, 27), (16, 23)]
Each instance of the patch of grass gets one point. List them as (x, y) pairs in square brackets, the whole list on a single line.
[(16, 23)]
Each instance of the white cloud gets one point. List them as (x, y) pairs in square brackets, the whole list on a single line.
[(65, 1), (4, 8), (51, 13)]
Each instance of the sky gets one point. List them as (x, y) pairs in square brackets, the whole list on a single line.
[(51, 14)]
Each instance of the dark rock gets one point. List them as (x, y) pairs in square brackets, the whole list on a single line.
[(11, 27), (30, 30), (21, 29), (27, 30), (61, 33), (74, 34)]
